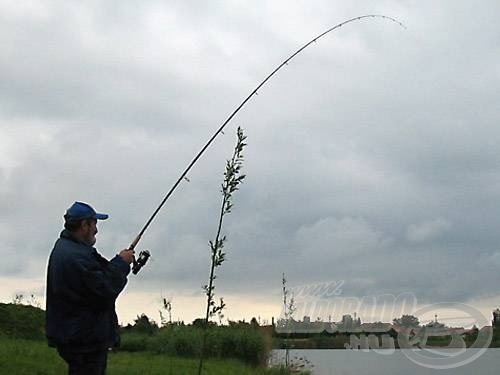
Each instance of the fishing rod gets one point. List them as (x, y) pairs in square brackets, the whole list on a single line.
[(144, 255)]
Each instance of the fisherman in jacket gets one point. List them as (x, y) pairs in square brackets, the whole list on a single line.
[(82, 288)]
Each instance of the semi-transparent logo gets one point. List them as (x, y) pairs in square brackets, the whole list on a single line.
[(457, 352), (444, 344)]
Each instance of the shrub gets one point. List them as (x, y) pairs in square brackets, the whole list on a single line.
[(134, 342), (22, 321), (244, 343), (177, 340)]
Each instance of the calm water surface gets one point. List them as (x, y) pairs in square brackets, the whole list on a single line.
[(350, 362)]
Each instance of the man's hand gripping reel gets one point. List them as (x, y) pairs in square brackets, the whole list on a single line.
[(141, 260)]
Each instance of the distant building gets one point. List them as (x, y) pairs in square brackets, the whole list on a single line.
[(496, 318), (374, 327), (435, 324)]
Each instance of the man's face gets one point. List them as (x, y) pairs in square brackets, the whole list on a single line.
[(88, 231)]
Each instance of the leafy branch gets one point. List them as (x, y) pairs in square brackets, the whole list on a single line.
[(167, 306), (288, 308), (232, 179)]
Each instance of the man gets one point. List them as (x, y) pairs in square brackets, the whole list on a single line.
[(82, 287)]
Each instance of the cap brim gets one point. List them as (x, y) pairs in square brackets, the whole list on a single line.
[(101, 216)]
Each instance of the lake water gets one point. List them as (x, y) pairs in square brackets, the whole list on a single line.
[(385, 362)]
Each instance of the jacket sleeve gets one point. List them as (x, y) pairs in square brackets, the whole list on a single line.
[(101, 280)]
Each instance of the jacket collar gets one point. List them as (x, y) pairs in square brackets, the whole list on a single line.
[(70, 236)]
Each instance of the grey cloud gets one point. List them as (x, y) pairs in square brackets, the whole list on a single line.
[(427, 230), (356, 149)]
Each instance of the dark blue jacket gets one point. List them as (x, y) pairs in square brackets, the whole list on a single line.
[(82, 287)]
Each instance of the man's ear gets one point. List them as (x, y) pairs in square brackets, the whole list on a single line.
[(84, 224)]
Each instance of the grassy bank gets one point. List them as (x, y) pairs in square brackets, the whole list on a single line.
[(146, 349), (28, 357), (245, 343)]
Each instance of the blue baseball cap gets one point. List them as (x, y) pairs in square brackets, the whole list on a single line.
[(80, 211)]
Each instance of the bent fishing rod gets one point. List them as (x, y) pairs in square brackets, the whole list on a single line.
[(144, 255)]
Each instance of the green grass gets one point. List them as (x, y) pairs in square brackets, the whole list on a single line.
[(29, 357), (239, 349)]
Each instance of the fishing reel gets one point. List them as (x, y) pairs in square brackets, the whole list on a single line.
[(140, 261)]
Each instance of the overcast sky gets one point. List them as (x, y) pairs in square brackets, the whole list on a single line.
[(372, 157)]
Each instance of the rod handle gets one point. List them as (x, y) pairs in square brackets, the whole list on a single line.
[(134, 243)]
